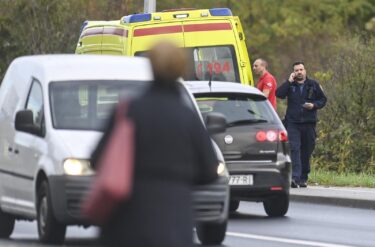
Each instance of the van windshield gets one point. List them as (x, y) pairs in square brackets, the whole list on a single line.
[(87, 105), (218, 61)]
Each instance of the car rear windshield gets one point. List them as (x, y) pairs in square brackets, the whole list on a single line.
[(219, 62), (87, 105), (237, 108)]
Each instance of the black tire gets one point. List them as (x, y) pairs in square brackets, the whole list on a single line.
[(233, 206), (50, 231), (277, 206), (211, 233), (6, 224)]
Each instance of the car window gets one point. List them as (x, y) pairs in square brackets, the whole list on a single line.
[(220, 61), (35, 103), (87, 105), (236, 107)]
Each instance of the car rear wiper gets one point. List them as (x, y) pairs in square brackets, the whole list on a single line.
[(254, 113), (246, 121)]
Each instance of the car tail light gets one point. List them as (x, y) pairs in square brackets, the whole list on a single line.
[(261, 136), (276, 188), (283, 136), (271, 136)]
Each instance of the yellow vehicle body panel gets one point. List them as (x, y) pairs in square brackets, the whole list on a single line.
[(204, 34)]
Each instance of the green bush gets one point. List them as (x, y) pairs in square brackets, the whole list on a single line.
[(346, 140)]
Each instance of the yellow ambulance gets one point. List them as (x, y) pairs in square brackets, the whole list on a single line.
[(214, 39)]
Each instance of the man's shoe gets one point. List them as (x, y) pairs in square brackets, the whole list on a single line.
[(303, 184), (294, 184)]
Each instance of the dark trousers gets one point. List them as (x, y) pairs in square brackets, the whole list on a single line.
[(302, 143)]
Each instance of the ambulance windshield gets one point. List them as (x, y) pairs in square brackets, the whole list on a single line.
[(215, 61)]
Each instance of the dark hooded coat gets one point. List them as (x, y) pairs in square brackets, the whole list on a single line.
[(172, 153)]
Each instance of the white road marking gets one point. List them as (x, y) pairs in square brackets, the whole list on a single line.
[(23, 235), (285, 240)]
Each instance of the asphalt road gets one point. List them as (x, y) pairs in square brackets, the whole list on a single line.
[(304, 225)]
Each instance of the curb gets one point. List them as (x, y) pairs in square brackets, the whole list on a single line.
[(336, 201)]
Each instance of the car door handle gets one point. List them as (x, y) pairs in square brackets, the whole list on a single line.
[(10, 149), (16, 151)]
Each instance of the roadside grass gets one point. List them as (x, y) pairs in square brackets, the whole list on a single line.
[(325, 178)]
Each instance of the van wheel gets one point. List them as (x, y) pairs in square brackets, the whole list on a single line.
[(233, 206), (211, 233), (49, 230), (6, 224), (278, 206)]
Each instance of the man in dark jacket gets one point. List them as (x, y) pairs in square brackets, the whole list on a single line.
[(172, 153), (305, 97)]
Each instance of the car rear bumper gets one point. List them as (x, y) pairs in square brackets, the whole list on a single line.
[(210, 202), (269, 180)]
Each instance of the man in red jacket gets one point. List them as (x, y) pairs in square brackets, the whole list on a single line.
[(266, 82)]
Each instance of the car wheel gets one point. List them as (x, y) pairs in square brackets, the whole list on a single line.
[(49, 230), (211, 233), (277, 206), (6, 224), (233, 206)]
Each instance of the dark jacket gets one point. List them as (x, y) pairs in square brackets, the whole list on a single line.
[(172, 153), (311, 93)]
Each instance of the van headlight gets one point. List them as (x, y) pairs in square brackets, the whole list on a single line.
[(77, 167), (221, 169)]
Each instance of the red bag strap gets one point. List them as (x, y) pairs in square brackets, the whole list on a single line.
[(122, 108)]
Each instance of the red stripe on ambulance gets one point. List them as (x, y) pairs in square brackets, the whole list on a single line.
[(92, 32), (207, 27), (115, 31), (157, 30), (105, 31), (186, 28)]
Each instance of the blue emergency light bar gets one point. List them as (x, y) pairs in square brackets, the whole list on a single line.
[(137, 18), (221, 12), (84, 24)]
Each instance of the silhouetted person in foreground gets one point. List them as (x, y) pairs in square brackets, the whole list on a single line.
[(172, 153)]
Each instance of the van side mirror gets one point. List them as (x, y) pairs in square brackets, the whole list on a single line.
[(25, 122), (215, 123)]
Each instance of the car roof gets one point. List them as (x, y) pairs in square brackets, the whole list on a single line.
[(85, 67), (221, 87)]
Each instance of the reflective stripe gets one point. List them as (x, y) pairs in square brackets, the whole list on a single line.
[(105, 31), (207, 27), (184, 28), (157, 30)]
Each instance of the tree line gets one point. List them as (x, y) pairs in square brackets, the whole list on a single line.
[(335, 39)]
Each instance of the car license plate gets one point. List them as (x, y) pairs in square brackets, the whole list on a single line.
[(241, 180)]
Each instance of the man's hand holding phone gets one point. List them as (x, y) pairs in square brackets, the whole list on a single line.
[(308, 106), (291, 77)]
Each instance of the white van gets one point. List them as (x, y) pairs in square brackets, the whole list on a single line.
[(52, 112)]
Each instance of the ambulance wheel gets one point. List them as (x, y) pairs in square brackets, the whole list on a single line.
[(6, 224), (211, 233), (49, 230), (277, 206)]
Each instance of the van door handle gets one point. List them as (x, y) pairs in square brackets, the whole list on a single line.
[(10, 149), (16, 151)]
